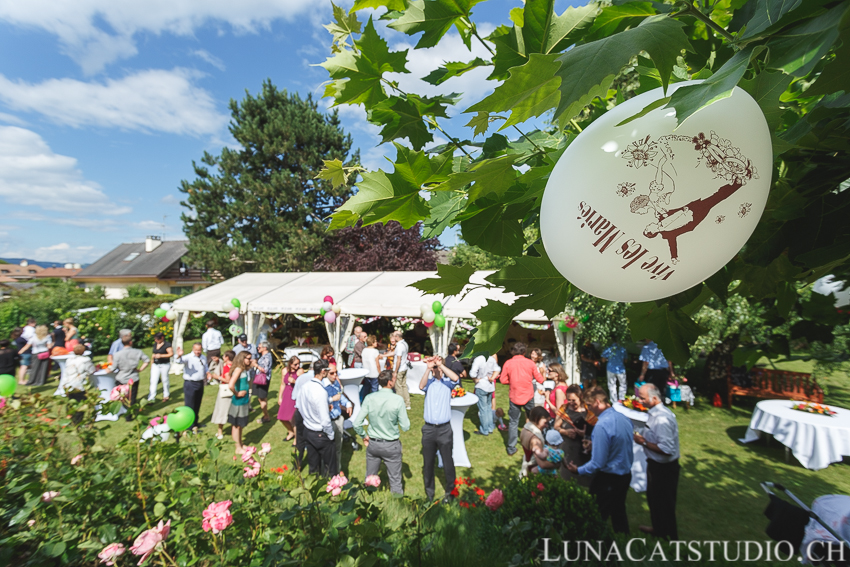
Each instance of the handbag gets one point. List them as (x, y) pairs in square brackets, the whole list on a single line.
[(43, 355), (261, 379), (224, 391)]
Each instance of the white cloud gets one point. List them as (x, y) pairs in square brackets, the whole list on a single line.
[(62, 252), (150, 100), (85, 247), (10, 119), (60, 246), (97, 32), (205, 55), (170, 200), (32, 175)]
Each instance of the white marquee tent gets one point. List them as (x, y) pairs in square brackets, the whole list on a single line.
[(364, 294)]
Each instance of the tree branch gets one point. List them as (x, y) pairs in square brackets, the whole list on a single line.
[(695, 12)]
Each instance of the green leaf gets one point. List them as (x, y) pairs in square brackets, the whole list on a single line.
[(545, 32), (672, 330), (450, 280), (453, 69), (821, 308), (159, 509), (344, 26), (401, 118), (767, 13), (510, 51), (797, 50), (417, 168), (496, 317), (766, 88), (646, 110), (333, 172), (587, 70), (489, 177), (54, 548), (531, 91), (378, 199), (614, 19), (434, 18), (391, 5), (480, 122), (491, 231), (538, 278), (836, 76), (445, 206), (357, 76), (689, 99)]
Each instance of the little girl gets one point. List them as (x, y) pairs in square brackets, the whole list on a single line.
[(550, 457)]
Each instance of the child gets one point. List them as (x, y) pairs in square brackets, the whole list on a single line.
[(550, 457), (500, 416)]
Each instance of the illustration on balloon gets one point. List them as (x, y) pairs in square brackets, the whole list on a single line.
[(652, 207)]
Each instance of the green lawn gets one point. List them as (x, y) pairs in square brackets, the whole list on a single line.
[(719, 494)]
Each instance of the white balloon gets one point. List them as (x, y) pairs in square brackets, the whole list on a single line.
[(424, 308), (336, 309), (643, 211), (327, 306), (165, 306), (171, 315), (226, 306), (428, 316)]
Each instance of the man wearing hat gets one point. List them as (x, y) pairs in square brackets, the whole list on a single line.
[(243, 345)]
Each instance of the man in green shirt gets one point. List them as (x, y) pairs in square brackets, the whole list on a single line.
[(387, 414)]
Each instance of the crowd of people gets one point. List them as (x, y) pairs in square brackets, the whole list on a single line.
[(569, 430)]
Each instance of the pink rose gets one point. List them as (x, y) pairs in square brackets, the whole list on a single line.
[(110, 553), (252, 470), (217, 516), (49, 496), (31, 523), (248, 453), (150, 540), (76, 460), (265, 449), (2, 402), (540, 486), (372, 480), (495, 500), (336, 483), (120, 391)]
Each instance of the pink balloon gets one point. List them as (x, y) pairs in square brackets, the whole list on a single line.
[(328, 298), (427, 324), (165, 319), (330, 317), (233, 315)]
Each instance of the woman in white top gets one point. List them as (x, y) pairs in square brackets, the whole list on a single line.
[(370, 364), (539, 393), (39, 344)]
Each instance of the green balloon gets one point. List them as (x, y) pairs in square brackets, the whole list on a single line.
[(182, 419), (236, 303), (322, 312), (585, 318), (8, 384), (159, 312), (440, 321), (562, 326), (437, 307)]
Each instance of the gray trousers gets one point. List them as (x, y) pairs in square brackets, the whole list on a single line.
[(390, 453), (513, 428), (337, 424), (437, 438)]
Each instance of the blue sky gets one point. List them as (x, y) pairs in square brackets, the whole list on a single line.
[(105, 103)]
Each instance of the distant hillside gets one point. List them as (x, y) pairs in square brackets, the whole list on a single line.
[(38, 262)]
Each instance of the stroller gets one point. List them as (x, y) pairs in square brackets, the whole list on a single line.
[(820, 538)]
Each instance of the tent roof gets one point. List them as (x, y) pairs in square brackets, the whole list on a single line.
[(385, 294)]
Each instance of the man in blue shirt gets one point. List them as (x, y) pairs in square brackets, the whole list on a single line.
[(615, 356), (656, 369), (438, 383), (118, 344), (612, 455)]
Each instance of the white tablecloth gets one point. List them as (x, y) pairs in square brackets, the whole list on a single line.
[(638, 419), (414, 376), (459, 407), (834, 511), (815, 440), (105, 381), (60, 360), (302, 353)]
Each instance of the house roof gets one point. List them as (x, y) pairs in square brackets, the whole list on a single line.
[(58, 273), (18, 271), (143, 264)]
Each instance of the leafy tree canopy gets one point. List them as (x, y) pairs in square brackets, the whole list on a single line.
[(261, 207), (569, 68), (378, 247)]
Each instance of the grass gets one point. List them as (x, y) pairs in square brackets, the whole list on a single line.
[(719, 494)]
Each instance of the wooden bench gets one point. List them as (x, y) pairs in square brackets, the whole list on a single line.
[(777, 384)]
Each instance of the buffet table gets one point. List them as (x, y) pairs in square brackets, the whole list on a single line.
[(351, 378), (638, 419), (105, 381), (459, 407), (816, 440), (414, 376)]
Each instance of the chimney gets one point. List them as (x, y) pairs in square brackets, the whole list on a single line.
[(69, 266), (24, 263), (76, 266), (152, 243)]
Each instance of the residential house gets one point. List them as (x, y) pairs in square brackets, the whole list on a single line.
[(155, 264), (65, 274), (22, 271)]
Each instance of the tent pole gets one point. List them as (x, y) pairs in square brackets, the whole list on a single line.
[(179, 329)]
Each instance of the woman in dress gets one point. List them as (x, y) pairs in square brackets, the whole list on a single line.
[(39, 344), (572, 424), (263, 364), (536, 356), (72, 337), (240, 407), (222, 403), (328, 355), (558, 396), (288, 375)]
